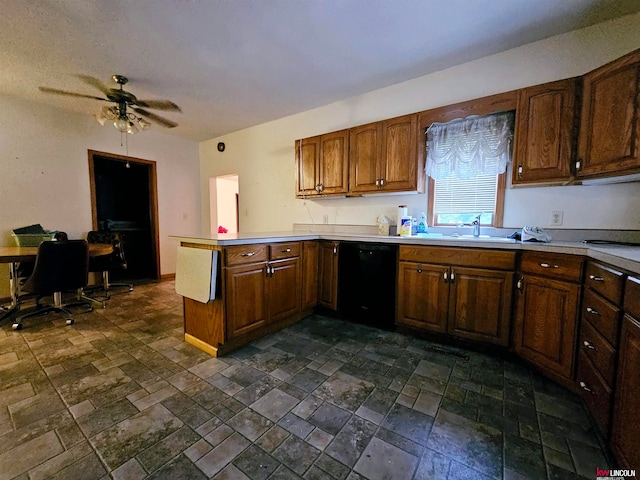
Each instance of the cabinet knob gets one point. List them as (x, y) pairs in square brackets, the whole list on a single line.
[(585, 388), (592, 311), (589, 345), (335, 250), (382, 182), (453, 275), (519, 171), (419, 268), (248, 254), (596, 278), (579, 164), (520, 284), (445, 275), (377, 182)]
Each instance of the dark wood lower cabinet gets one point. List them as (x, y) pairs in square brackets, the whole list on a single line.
[(423, 296), (625, 435), (545, 327), (328, 275), (480, 304), (471, 303), (246, 298), (310, 252)]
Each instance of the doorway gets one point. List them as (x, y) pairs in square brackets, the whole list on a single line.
[(124, 199), (224, 202)]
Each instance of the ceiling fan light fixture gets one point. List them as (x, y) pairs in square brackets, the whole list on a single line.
[(132, 129), (144, 125), (121, 123)]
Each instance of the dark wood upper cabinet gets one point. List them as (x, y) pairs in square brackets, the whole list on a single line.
[(544, 133), (365, 154), (399, 162), (610, 121), (383, 157), (322, 165)]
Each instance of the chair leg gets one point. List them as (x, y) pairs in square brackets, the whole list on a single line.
[(56, 307), (107, 285), (86, 298)]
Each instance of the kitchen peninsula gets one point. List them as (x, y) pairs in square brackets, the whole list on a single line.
[(256, 269)]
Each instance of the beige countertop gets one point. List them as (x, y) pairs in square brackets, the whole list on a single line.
[(624, 257)]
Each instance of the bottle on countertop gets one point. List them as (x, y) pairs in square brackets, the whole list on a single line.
[(414, 226), (422, 224)]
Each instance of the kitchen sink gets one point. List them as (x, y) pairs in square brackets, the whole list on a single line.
[(482, 238)]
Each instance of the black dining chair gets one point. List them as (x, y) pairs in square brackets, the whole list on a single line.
[(105, 264), (60, 266)]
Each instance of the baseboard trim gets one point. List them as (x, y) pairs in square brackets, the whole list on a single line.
[(204, 346), (166, 277)]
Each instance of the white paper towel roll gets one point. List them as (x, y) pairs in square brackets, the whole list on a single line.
[(403, 211)]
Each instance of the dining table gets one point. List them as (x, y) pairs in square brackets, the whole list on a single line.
[(13, 255)]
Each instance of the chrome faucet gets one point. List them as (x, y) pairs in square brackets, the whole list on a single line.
[(476, 226)]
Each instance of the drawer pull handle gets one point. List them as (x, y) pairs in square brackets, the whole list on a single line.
[(585, 388), (249, 254), (286, 250), (548, 265), (592, 311), (589, 345), (520, 284), (595, 278)]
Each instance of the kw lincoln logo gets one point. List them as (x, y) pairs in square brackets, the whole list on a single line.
[(614, 474)]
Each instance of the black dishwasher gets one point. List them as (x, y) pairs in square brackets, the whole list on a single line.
[(367, 279)]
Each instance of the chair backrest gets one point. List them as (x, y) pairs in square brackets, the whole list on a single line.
[(117, 258), (60, 266)]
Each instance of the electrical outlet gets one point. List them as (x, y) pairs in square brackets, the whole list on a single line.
[(325, 219), (556, 218)]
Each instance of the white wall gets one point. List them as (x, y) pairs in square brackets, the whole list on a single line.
[(227, 188), (44, 174), (263, 155)]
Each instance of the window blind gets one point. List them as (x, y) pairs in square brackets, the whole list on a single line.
[(475, 195)]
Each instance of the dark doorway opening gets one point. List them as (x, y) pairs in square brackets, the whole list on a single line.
[(124, 200)]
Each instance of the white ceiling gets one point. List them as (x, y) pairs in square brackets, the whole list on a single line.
[(231, 64)]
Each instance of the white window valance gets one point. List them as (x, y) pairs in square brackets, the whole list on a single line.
[(470, 146)]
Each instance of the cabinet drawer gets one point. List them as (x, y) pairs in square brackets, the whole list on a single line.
[(279, 251), (595, 392), (604, 316), (240, 254), (554, 265), (632, 296), (463, 257), (603, 355), (607, 282)]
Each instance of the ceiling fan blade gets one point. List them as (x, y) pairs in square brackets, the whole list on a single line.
[(156, 118), (70, 94), (94, 82), (159, 105)]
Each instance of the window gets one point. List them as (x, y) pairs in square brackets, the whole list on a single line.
[(466, 163)]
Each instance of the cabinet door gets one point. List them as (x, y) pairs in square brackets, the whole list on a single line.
[(365, 150), (423, 296), (307, 158), (546, 323), (544, 133), (480, 304), (310, 252), (328, 275), (283, 289), (625, 436), (611, 119), (333, 167), (245, 298), (399, 166)]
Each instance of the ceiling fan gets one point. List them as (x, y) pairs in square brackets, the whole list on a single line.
[(125, 103)]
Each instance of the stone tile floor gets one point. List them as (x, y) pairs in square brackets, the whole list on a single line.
[(120, 395)]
